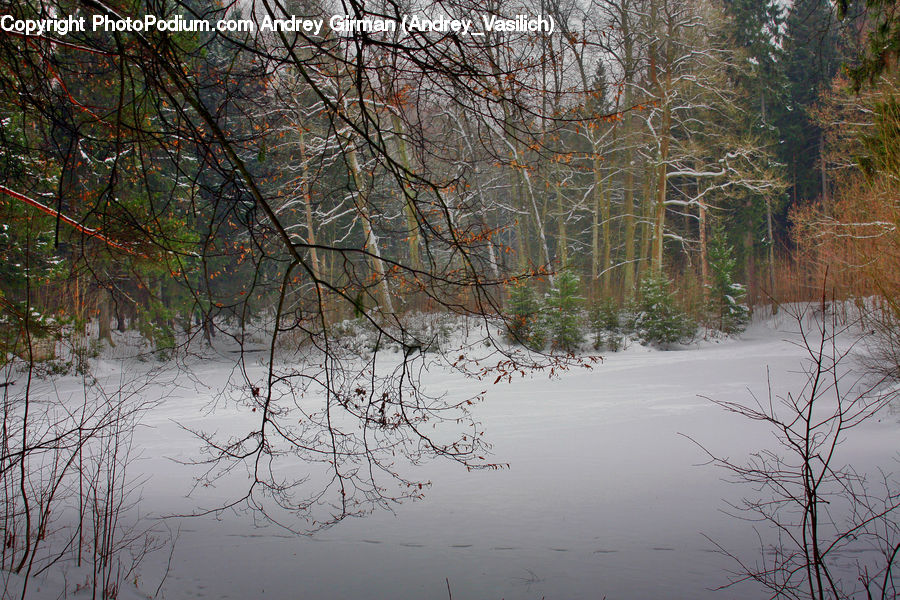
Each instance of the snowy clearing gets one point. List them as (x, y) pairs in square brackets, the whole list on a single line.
[(605, 495)]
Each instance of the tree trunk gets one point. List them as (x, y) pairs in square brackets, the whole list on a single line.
[(409, 209), (628, 208), (826, 203), (595, 236), (607, 244), (104, 317), (539, 225), (563, 242), (750, 267), (704, 245), (646, 223), (662, 92), (659, 220), (771, 253), (372, 245), (120, 316), (307, 207)]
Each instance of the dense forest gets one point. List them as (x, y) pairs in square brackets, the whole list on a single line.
[(655, 168), (173, 183), (182, 183)]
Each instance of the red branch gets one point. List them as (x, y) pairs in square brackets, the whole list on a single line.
[(27, 38), (50, 211)]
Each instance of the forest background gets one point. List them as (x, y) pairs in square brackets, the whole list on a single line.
[(166, 182)]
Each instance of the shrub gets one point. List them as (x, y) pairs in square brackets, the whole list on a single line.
[(431, 332), (883, 344)]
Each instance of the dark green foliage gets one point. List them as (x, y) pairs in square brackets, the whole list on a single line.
[(884, 39), (753, 29), (881, 147), (563, 317), (606, 325), (815, 46), (156, 325), (725, 295), (656, 317), (523, 324)]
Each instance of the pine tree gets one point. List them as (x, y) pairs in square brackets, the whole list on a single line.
[(523, 324), (815, 47), (563, 317), (725, 295), (762, 91), (656, 318), (606, 325), (754, 28)]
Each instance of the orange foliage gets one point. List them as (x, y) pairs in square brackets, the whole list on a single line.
[(857, 240)]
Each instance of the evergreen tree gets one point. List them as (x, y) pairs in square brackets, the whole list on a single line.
[(606, 325), (725, 294), (883, 41), (656, 318), (815, 47), (563, 317), (754, 28), (523, 325), (757, 71)]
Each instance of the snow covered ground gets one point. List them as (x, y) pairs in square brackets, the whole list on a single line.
[(606, 495)]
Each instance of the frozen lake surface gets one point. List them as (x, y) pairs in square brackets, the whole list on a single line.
[(605, 495)]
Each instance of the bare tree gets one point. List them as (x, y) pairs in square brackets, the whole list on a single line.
[(808, 506)]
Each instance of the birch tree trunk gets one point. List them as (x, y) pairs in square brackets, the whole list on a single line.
[(409, 209), (307, 209), (372, 245), (628, 184)]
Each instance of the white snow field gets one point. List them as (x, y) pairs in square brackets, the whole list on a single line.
[(605, 495)]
